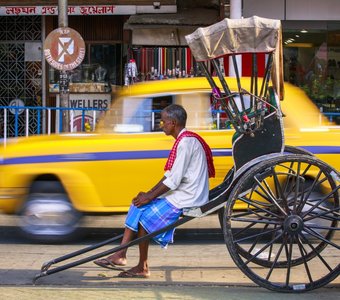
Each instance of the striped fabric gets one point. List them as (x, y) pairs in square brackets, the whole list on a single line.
[(207, 150), (164, 59), (167, 58), (153, 216)]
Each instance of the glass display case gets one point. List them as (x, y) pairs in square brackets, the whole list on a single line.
[(100, 71)]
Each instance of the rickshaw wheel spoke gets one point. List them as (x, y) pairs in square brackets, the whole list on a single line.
[(291, 218)]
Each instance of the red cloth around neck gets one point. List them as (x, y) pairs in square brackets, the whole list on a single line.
[(207, 150)]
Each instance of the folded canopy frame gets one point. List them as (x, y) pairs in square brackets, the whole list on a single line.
[(231, 37)]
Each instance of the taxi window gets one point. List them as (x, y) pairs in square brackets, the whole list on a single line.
[(142, 113), (158, 103), (135, 114), (198, 107)]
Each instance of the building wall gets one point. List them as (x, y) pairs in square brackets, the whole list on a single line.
[(293, 9), (86, 2)]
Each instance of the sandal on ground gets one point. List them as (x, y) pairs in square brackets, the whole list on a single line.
[(107, 264), (130, 274)]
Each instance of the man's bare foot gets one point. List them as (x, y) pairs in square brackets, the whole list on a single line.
[(111, 261), (117, 260), (135, 272)]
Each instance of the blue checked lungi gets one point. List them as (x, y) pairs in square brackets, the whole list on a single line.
[(153, 216)]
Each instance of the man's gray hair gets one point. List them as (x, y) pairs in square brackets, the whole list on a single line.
[(176, 112)]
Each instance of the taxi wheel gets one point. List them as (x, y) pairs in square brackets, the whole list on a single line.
[(49, 217)]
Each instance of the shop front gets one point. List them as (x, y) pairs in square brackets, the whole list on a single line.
[(158, 46), (25, 75), (311, 46), (100, 72), (312, 61)]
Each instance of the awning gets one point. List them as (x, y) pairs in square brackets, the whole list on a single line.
[(168, 29), (186, 17)]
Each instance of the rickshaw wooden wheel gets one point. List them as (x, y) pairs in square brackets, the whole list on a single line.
[(277, 241), (287, 149)]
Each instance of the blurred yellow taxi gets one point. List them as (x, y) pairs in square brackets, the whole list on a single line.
[(51, 181)]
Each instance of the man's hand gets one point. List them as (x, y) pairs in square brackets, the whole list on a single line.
[(141, 199), (144, 198)]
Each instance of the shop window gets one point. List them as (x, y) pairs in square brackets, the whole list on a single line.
[(99, 72), (312, 62), (158, 63), (155, 63)]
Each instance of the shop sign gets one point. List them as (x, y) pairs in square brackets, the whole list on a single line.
[(89, 102), (64, 49), (84, 10)]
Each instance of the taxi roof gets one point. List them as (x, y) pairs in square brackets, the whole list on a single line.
[(177, 85), (297, 105)]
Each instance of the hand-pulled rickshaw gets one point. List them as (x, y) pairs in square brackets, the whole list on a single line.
[(290, 198)]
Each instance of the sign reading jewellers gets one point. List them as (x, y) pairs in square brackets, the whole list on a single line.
[(64, 49)]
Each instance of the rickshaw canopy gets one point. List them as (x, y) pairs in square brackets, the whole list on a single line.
[(237, 36), (232, 36)]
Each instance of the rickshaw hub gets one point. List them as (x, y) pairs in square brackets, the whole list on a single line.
[(293, 224)]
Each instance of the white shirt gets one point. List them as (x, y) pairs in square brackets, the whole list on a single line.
[(188, 178)]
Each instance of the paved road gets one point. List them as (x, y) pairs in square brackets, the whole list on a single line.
[(146, 292), (197, 266)]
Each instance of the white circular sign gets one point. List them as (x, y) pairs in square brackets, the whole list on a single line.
[(16, 102), (64, 49)]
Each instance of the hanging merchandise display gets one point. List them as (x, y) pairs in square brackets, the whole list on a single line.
[(164, 62), (156, 63), (130, 72)]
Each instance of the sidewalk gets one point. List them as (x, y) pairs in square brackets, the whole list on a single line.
[(201, 265), (187, 261)]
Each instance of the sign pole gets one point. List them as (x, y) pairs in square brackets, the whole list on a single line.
[(64, 50), (63, 74)]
